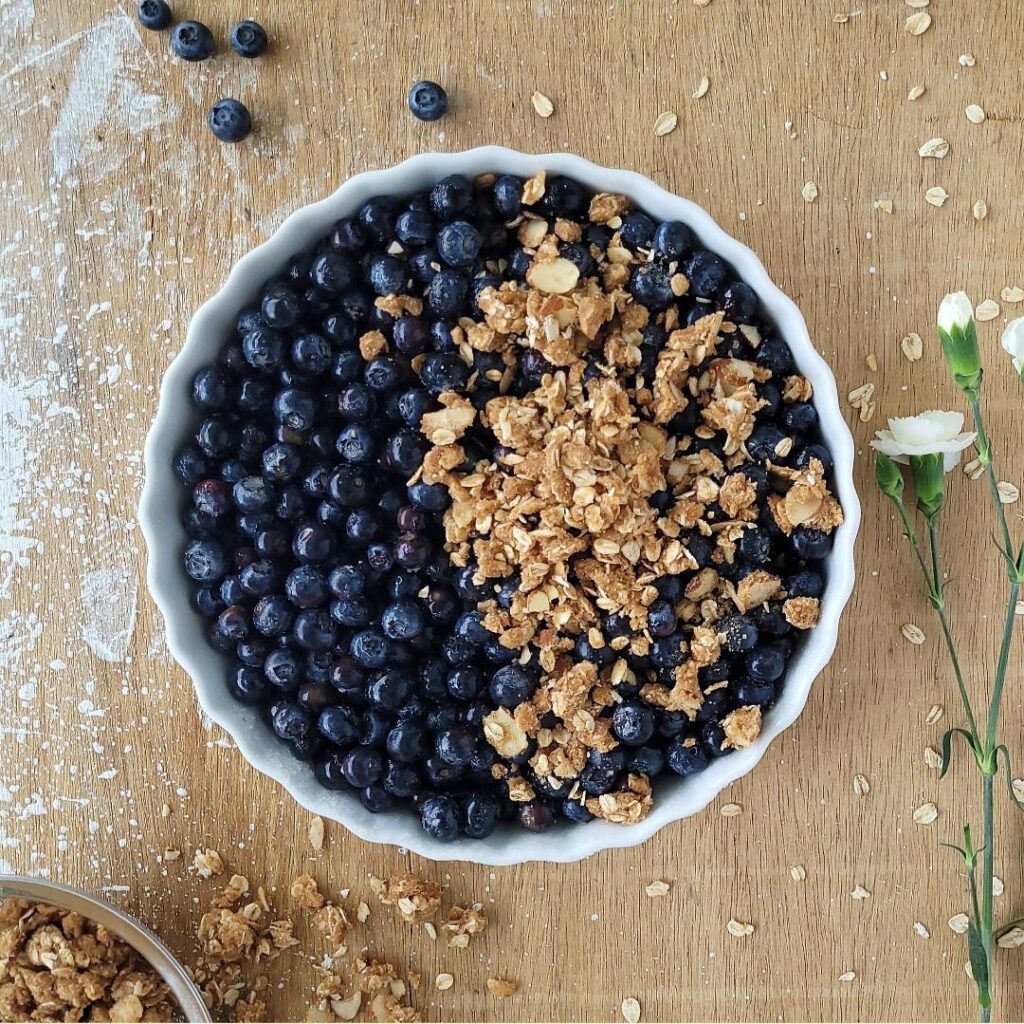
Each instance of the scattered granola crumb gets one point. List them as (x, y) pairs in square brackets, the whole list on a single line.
[(165, 810), (428, 927), (502, 988), (1008, 493), (417, 900), (542, 104), (631, 1005), (306, 892), (666, 122), (1012, 938), (1011, 293), (658, 888), (997, 886), (932, 758), (871, 361), (966, 60), (936, 149), (702, 88), (316, 833), (925, 814), (208, 863), (463, 923), (935, 712), (362, 912)]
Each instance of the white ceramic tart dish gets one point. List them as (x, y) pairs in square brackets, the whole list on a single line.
[(165, 535)]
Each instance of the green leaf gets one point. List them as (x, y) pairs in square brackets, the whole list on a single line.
[(1017, 802), (1004, 928), (959, 849), (979, 963), (947, 747)]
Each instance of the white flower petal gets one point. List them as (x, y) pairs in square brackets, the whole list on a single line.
[(955, 310), (930, 433), (1013, 342)]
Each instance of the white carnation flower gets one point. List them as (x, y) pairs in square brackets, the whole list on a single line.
[(1013, 342), (955, 310), (929, 433)]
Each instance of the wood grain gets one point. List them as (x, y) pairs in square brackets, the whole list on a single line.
[(113, 191)]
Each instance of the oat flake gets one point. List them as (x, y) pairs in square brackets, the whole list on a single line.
[(444, 982), (861, 786), (731, 810), (542, 104), (926, 814), (1008, 493), (666, 122), (1011, 939), (959, 923), (935, 712), (936, 195), (987, 309), (918, 23), (658, 888), (847, 976), (975, 114), (916, 92), (966, 60), (979, 209), (809, 192), (932, 758), (1011, 293), (739, 929), (631, 1005), (316, 833), (702, 88), (1018, 784), (912, 633), (997, 886), (921, 930), (912, 346), (936, 149), (798, 872)]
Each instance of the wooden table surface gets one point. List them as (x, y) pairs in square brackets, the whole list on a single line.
[(120, 213)]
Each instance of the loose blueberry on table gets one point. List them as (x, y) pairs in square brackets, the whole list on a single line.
[(504, 500)]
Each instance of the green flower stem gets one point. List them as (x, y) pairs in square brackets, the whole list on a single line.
[(995, 707), (985, 458), (986, 890), (939, 603)]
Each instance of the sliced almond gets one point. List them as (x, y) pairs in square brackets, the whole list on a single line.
[(555, 275), (542, 104), (666, 122), (730, 810)]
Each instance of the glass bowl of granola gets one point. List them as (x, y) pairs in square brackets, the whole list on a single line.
[(500, 507), (66, 955)]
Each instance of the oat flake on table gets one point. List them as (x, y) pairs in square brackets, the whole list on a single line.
[(542, 104), (936, 195), (861, 786), (980, 209), (1011, 293), (912, 346), (915, 93), (987, 309), (975, 114), (935, 712), (926, 814), (702, 87), (630, 1010), (936, 149), (809, 192), (918, 23), (913, 633), (665, 123), (959, 923)]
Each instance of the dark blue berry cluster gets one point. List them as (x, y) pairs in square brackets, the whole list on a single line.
[(192, 41), (318, 553)]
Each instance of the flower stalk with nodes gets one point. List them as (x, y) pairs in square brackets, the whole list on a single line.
[(931, 445)]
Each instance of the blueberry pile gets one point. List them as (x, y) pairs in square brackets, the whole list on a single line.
[(318, 555), (192, 41)]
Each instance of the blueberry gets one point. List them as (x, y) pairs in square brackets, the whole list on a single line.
[(773, 354), (813, 451), (754, 691), (248, 38), (633, 723), (429, 497), (407, 742), (650, 286), (536, 817), (355, 444), (805, 584), (263, 348), (205, 561), (666, 651), (313, 543), (377, 218), (585, 651), (672, 239), (799, 417), (191, 465), (427, 101), (362, 766), (738, 302), (247, 685), (347, 581), (402, 620), (215, 437), (154, 14), (563, 197), (810, 543), (649, 761), (508, 195), (771, 622), (712, 736), (376, 799), (404, 451), (415, 227), (387, 275), (512, 685), (258, 578), (661, 619), (314, 630), (578, 255), (765, 664), (382, 374), (763, 442), (229, 120), (706, 273), (210, 389), (280, 306), (291, 722), (458, 244), (755, 546), (451, 197), (739, 633), (456, 745), (439, 816), (637, 230), (576, 812), (686, 757), (447, 295), (464, 682), (370, 649), (311, 353), (480, 813), (443, 373), (401, 781), (192, 40), (272, 616)]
